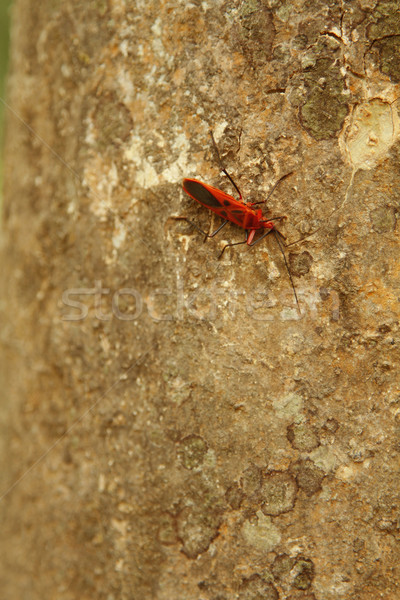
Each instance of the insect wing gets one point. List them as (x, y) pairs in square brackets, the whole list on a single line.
[(206, 194), (219, 202)]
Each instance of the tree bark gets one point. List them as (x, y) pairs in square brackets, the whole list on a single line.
[(173, 426)]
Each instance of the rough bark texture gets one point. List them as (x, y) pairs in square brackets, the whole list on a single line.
[(193, 436)]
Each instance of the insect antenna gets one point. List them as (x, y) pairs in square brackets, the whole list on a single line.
[(277, 234)]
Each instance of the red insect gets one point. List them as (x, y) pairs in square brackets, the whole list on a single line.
[(238, 212)]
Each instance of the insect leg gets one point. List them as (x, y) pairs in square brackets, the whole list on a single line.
[(206, 235), (273, 189), (219, 229), (248, 232), (261, 237), (280, 218), (303, 238), (210, 235), (281, 244), (191, 223), (277, 235), (233, 244)]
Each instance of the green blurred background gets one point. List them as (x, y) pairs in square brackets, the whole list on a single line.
[(4, 43)]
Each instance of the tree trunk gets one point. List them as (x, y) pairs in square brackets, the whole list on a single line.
[(175, 427)]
